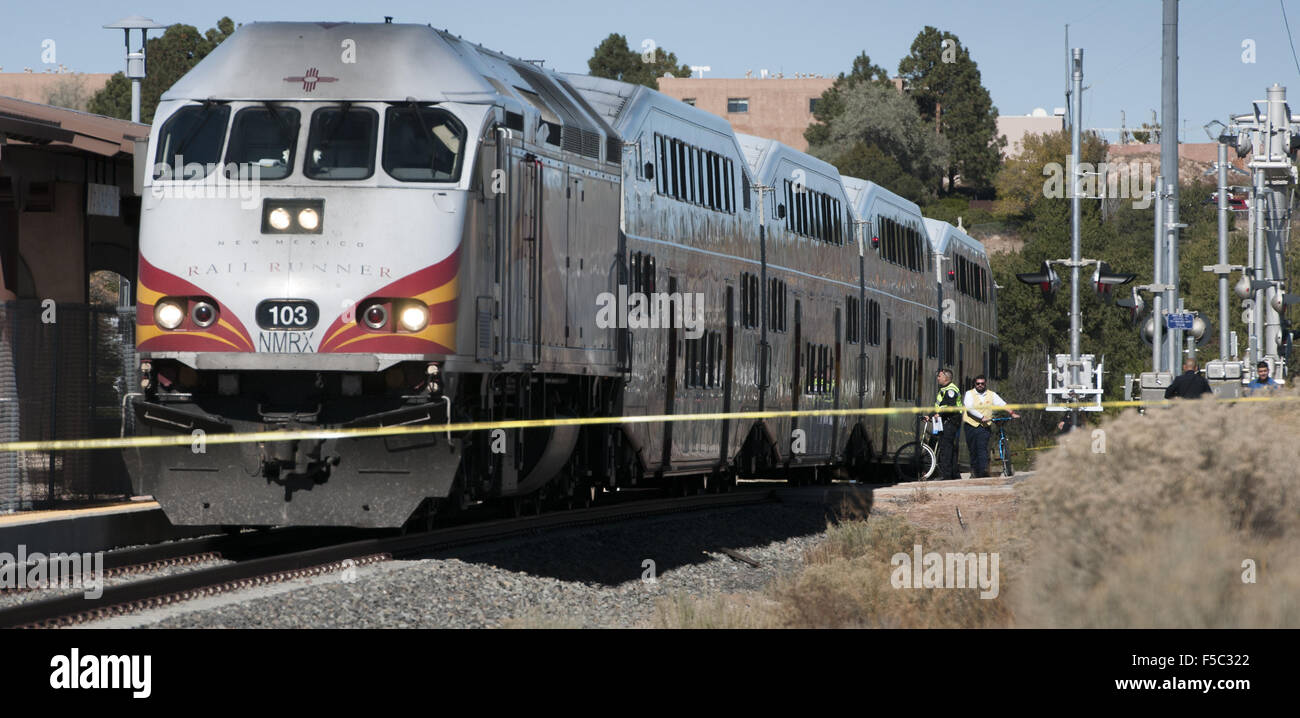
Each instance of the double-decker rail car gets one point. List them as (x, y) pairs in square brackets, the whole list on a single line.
[(373, 225), (900, 308), (968, 310), (809, 288)]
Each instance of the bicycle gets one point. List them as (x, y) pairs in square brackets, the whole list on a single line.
[(1004, 446), (916, 460)]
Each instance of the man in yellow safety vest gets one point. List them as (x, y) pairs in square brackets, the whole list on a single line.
[(979, 403)]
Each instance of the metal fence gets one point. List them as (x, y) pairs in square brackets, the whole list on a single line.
[(64, 372)]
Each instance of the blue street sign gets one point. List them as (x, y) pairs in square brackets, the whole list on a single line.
[(1179, 321)]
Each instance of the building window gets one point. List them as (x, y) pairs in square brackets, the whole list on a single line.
[(737, 104), (689, 100), (812, 104)]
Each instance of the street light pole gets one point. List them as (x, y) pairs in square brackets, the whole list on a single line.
[(135, 70), (135, 66)]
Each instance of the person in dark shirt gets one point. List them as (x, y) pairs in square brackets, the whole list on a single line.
[(1190, 385)]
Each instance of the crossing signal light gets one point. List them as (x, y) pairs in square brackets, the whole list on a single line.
[(1046, 278), (1103, 279), (1134, 304)]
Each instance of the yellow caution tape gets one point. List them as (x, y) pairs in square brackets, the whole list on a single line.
[(400, 430)]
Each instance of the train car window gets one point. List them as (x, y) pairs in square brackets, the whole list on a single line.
[(744, 190), (190, 142), (852, 322), (932, 338), (718, 182), (424, 145), (731, 186), (262, 142), (697, 175), (659, 161), (341, 143), (949, 342), (683, 169)]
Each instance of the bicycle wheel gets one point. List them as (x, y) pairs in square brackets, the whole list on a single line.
[(914, 462), (1004, 449)]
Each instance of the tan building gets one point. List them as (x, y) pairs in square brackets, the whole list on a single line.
[(1015, 127), (776, 108), (62, 89)]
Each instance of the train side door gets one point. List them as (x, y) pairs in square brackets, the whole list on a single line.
[(553, 254), (525, 305), (575, 196)]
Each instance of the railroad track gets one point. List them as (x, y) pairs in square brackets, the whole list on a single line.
[(144, 559), (165, 590)]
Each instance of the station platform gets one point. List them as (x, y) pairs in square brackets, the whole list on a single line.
[(95, 528)]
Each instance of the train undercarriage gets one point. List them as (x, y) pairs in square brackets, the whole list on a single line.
[(390, 480)]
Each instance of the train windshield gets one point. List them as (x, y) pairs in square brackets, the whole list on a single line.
[(341, 143), (262, 143), (189, 144), (423, 144)]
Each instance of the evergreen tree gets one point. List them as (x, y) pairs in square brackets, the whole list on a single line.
[(945, 83), (613, 59)]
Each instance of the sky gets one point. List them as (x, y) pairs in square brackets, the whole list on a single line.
[(1019, 45)]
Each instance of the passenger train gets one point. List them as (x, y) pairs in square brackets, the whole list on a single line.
[(435, 237)]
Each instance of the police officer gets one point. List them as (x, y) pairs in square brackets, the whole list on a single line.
[(949, 395), (1189, 385)]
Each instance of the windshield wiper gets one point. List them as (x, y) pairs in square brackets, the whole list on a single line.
[(288, 133), (428, 136), (343, 114)]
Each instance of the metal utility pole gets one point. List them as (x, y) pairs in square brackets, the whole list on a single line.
[(1223, 250), (1075, 378), (1157, 279), (1077, 76), (1169, 164)]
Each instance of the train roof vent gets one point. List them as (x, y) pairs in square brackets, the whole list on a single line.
[(553, 96)]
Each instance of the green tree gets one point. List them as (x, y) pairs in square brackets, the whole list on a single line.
[(169, 57), (1028, 178), (831, 103), (613, 59), (879, 136), (945, 83)]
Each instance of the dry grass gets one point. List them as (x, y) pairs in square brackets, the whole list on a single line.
[(1154, 531), (725, 611), (1151, 533)]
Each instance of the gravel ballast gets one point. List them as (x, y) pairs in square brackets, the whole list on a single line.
[(588, 577)]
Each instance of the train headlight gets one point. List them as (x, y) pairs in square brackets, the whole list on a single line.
[(414, 317), (308, 219), (203, 314), (375, 316), (169, 314), (278, 219)]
